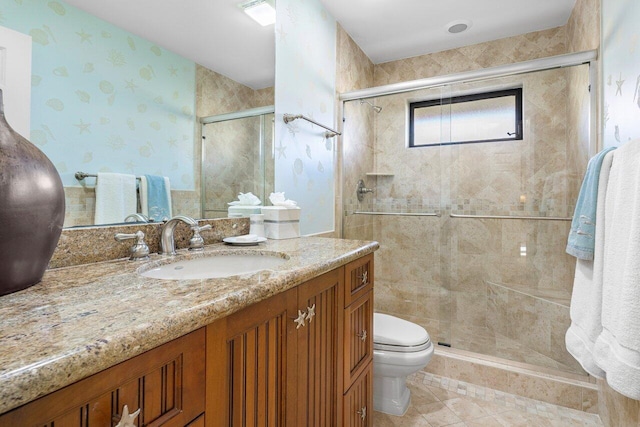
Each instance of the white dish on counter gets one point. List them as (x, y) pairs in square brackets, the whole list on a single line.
[(243, 242)]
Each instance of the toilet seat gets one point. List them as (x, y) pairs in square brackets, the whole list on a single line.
[(393, 334), (402, 348)]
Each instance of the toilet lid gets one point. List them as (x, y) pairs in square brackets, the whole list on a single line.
[(390, 330)]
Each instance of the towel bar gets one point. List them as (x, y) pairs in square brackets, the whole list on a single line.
[(82, 175), (397, 213), (291, 117), (540, 218)]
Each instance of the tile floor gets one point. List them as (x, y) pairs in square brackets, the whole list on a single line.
[(438, 401)]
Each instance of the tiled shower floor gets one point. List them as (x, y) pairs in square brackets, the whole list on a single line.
[(438, 401)]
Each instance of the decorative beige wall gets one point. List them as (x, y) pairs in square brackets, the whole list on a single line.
[(615, 409), (499, 52)]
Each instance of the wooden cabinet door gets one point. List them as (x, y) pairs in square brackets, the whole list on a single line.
[(251, 355), (319, 378), (358, 401), (358, 337), (167, 383), (358, 278)]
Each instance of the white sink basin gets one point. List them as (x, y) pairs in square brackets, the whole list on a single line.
[(223, 265)]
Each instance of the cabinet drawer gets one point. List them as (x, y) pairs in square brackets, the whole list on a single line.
[(358, 278), (358, 337), (166, 383), (358, 401)]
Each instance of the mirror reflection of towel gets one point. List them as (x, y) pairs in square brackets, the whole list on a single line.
[(155, 197), (115, 197)]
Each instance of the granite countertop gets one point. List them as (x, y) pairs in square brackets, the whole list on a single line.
[(83, 319)]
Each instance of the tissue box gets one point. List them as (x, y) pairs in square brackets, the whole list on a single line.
[(237, 211), (281, 222)]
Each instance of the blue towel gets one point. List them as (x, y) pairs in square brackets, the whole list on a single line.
[(158, 203), (582, 239)]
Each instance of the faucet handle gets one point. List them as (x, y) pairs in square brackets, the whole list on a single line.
[(196, 243), (140, 250)]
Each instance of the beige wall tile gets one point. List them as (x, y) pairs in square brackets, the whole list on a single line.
[(546, 390)]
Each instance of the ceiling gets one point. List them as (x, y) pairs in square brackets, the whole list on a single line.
[(218, 35)]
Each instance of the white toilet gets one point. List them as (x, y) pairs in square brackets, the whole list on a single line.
[(400, 348)]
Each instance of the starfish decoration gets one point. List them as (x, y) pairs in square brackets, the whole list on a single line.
[(173, 142), (364, 277), (173, 71), (280, 149), (131, 85), (619, 83), (84, 37), (311, 312), (84, 127), (127, 420), (300, 320)]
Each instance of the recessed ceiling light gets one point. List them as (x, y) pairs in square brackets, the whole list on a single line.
[(261, 11), (459, 26)]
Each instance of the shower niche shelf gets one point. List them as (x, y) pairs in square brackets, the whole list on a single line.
[(379, 174)]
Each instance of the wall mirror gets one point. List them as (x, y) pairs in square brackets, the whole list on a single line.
[(105, 99)]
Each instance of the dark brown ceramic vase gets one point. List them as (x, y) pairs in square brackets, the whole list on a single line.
[(31, 210)]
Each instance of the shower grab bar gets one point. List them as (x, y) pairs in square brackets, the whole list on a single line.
[(540, 218), (397, 213), (291, 117)]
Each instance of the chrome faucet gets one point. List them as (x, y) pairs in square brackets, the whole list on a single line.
[(167, 242)]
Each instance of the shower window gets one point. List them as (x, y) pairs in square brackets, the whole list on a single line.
[(480, 117)]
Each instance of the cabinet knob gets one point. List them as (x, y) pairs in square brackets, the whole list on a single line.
[(302, 316), (127, 420), (364, 277), (311, 311), (363, 335), (362, 412)]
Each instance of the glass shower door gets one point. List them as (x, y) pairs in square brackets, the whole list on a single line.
[(511, 203)]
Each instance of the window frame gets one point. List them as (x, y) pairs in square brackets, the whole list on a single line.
[(516, 92)]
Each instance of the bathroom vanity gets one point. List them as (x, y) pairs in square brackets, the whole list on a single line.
[(288, 346)]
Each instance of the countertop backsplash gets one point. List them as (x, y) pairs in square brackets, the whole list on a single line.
[(86, 245)]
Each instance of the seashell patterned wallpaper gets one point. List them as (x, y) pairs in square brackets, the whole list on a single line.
[(103, 99), (305, 84), (621, 71)]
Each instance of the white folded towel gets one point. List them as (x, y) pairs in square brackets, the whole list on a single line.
[(617, 349), (586, 299), (115, 197)]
